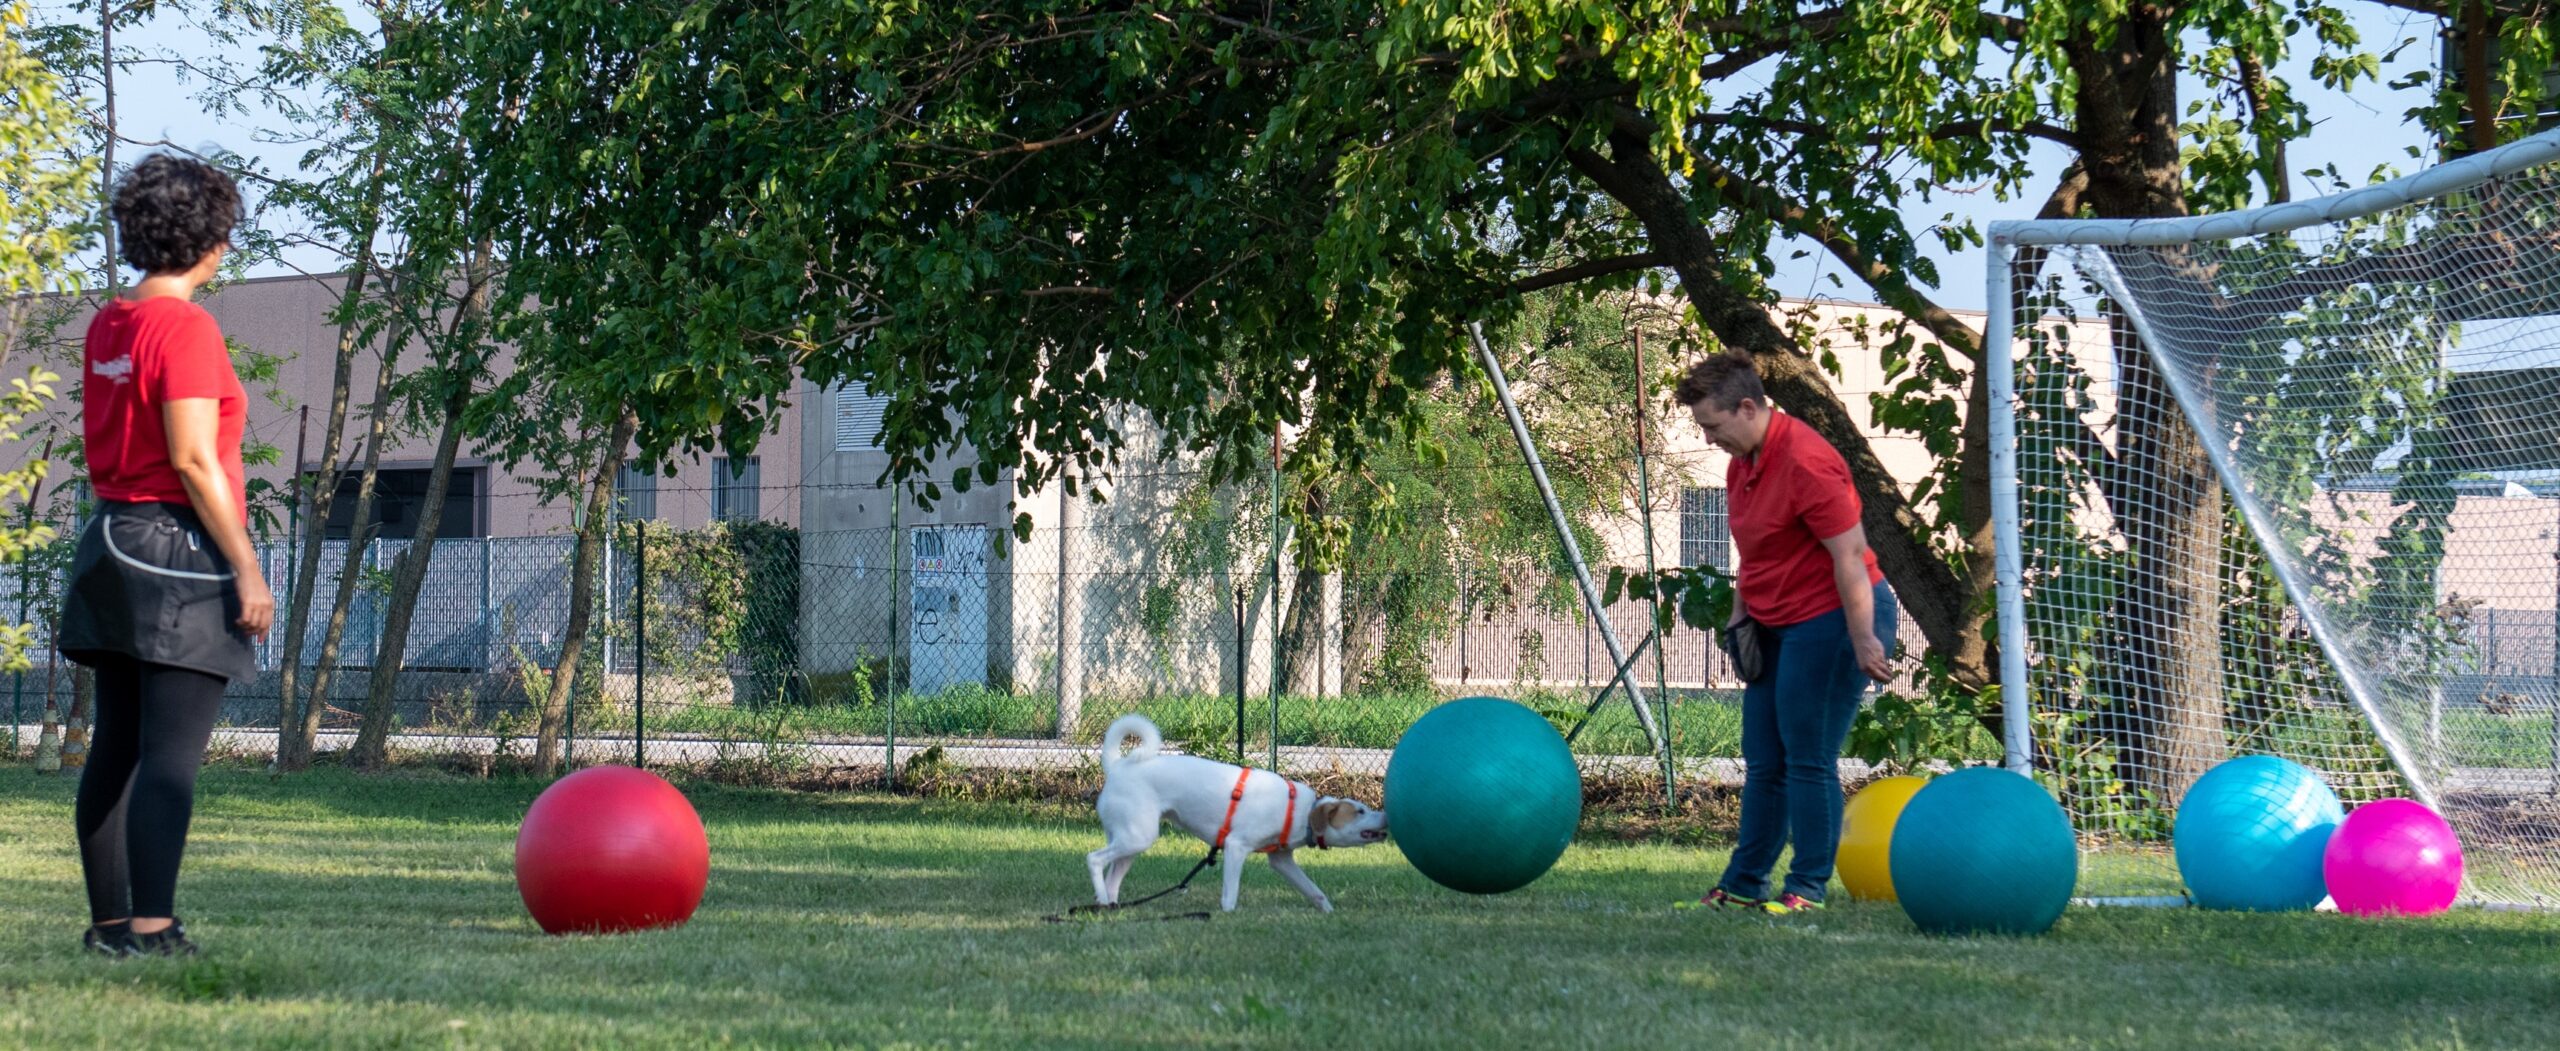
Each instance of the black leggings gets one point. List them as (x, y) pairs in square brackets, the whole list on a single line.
[(139, 789)]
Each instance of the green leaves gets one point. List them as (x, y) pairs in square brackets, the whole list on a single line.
[(1700, 596), (45, 216)]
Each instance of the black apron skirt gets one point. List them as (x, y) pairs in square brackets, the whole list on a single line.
[(148, 584)]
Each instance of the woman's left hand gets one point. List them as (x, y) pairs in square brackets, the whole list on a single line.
[(1871, 657)]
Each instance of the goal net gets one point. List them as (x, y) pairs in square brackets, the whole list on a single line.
[(2287, 481)]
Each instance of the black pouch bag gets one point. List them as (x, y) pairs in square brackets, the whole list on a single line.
[(1745, 643)]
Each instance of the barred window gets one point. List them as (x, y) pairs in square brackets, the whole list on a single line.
[(1706, 535), (733, 489), (635, 492)]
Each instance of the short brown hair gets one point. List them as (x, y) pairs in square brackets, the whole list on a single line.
[(1724, 381)]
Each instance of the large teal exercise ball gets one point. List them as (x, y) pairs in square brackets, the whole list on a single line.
[(1983, 851), (1482, 795), (2251, 834)]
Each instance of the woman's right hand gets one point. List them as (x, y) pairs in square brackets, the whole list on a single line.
[(257, 607)]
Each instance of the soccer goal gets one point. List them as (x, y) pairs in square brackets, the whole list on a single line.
[(2287, 481)]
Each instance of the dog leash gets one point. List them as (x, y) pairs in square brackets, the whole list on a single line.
[(1095, 910)]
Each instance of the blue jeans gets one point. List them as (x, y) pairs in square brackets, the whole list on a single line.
[(1794, 721)]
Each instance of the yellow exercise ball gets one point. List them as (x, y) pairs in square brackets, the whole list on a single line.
[(1866, 837)]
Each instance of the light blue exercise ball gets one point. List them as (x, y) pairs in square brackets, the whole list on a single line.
[(2250, 834)]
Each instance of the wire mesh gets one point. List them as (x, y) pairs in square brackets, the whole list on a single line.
[(953, 645), (2298, 493)]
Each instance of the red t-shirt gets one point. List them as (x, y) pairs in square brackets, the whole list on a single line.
[(140, 356), (1782, 502)]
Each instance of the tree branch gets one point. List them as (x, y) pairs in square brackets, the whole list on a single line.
[(1588, 269)]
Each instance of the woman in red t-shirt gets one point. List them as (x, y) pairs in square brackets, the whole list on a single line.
[(1825, 619), (166, 595)]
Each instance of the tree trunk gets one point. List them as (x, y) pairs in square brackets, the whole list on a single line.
[(1302, 628), (1358, 620), (84, 714), (409, 573), (582, 576), (360, 535), (462, 365), (2167, 715), (315, 492)]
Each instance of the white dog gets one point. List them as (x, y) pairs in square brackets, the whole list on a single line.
[(1238, 810)]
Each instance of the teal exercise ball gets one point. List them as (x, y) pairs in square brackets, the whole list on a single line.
[(1983, 851), (2252, 834), (1483, 795)]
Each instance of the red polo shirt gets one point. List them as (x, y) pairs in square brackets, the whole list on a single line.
[(139, 357), (1782, 502)]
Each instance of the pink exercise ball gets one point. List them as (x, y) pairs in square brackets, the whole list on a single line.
[(2393, 857)]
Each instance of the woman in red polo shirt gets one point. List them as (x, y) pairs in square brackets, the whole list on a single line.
[(1803, 571), (166, 593)]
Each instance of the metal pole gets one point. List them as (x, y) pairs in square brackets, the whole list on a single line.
[(640, 645), (1644, 499), (613, 517), (1564, 530), (1623, 674), (897, 610), (1240, 662), (1070, 704), (488, 604), (1279, 538), (2008, 557)]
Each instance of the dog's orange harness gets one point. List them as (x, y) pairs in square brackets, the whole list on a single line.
[(1236, 798)]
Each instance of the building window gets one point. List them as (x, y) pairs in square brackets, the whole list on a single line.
[(399, 500), (635, 492), (733, 489), (858, 413), (1706, 535)]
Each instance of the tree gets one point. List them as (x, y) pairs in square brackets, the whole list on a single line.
[(360, 119), (1019, 221), (45, 205)]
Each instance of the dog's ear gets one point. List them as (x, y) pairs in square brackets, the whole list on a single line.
[(1336, 813)]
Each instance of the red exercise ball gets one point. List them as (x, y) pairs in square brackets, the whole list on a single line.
[(608, 849)]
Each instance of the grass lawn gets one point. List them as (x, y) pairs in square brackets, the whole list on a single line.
[(351, 912)]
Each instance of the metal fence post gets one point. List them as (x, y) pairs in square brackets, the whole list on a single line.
[(488, 603), (1279, 539), (640, 646), (1242, 657), (569, 712), (373, 564), (897, 610)]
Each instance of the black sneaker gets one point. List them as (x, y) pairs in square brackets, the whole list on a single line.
[(168, 941), (108, 940)]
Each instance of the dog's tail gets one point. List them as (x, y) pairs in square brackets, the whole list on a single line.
[(1132, 725)]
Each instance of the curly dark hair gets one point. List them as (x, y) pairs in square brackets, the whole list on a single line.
[(171, 210), (1724, 381)]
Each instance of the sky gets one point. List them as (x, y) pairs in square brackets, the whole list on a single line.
[(2358, 133)]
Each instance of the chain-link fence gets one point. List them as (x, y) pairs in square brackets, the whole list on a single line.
[(935, 644)]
